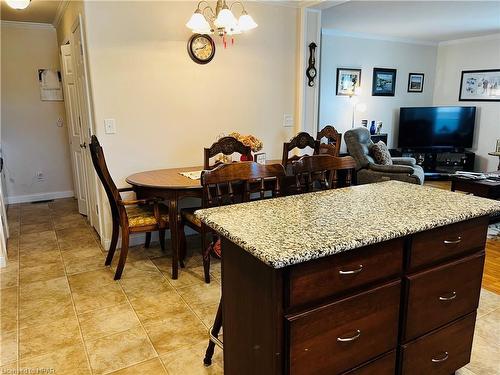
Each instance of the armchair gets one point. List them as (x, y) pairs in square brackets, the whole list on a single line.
[(358, 143)]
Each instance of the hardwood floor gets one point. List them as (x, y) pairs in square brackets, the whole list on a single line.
[(491, 273)]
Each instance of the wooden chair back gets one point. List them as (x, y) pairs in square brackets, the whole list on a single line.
[(333, 141), (320, 172), (235, 183), (226, 146), (300, 141), (102, 171)]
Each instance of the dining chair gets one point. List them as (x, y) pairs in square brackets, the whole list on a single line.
[(133, 216), (300, 141), (226, 146), (319, 172), (218, 191), (219, 185), (333, 141)]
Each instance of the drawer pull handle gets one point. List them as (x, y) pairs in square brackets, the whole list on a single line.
[(352, 272), (348, 339), (453, 242), (450, 297), (442, 359)]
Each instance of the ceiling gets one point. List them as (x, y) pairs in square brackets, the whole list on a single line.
[(424, 21), (42, 11)]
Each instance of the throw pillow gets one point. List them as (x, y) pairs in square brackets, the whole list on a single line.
[(380, 153)]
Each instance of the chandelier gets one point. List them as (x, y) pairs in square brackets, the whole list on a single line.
[(221, 21)]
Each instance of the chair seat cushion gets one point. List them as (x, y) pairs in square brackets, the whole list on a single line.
[(143, 215), (380, 153), (188, 215)]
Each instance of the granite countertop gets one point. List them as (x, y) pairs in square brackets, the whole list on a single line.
[(294, 229)]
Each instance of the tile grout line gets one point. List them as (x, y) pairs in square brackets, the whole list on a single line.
[(87, 357)]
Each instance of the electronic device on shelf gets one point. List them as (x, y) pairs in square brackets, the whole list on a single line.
[(436, 127), (437, 138)]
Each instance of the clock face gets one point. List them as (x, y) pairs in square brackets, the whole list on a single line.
[(201, 48)]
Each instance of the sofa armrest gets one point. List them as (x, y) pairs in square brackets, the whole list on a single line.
[(391, 168), (404, 161)]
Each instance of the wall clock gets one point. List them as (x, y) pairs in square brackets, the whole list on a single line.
[(311, 69), (201, 48)]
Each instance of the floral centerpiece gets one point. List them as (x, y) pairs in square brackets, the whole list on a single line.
[(253, 142)]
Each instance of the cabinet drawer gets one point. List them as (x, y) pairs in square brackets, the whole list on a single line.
[(341, 335), (441, 352), (442, 294), (446, 242), (324, 277), (385, 365)]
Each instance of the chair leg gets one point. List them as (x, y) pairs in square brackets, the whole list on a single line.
[(206, 249), (182, 245), (123, 254), (148, 240), (162, 239), (114, 241), (215, 332)]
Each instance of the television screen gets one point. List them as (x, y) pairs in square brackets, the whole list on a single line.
[(434, 127)]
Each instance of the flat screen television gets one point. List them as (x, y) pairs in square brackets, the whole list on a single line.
[(436, 127)]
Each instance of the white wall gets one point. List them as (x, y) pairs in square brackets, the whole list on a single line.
[(31, 139), (343, 51), (471, 54), (167, 108)]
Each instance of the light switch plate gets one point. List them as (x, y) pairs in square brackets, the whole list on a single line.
[(109, 126), (287, 121)]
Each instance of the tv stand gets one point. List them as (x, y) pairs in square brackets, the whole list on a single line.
[(439, 163)]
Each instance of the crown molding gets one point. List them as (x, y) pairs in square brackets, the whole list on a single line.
[(336, 32), (27, 25), (470, 40), (61, 8)]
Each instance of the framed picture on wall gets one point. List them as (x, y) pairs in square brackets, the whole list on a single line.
[(416, 82), (480, 86), (347, 80), (384, 82)]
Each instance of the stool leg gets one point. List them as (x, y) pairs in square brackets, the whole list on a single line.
[(215, 332)]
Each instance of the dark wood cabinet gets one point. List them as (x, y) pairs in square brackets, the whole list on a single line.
[(405, 306)]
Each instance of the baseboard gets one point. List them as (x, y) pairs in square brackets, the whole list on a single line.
[(39, 197)]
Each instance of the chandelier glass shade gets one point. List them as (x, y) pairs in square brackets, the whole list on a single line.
[(207, 21), (18, 4)]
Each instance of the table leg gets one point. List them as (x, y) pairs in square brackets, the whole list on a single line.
[(174, 235), (498, 164)]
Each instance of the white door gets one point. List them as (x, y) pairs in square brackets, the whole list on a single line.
[(81, 74), (73, 116)]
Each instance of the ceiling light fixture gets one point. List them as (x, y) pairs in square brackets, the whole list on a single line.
[(221, 21), (18, 4)]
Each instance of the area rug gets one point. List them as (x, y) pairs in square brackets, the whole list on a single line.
[(494, 232)]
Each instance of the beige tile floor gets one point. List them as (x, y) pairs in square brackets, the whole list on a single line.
[(61, 309)]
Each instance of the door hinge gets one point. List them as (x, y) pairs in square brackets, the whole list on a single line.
[(97, 209)]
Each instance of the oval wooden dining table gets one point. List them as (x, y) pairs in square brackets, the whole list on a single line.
[(172, 187)]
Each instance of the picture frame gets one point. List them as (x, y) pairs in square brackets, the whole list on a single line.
[(260, 158), (347, 80), (384, 82), (416, 82), (498, 146), (480, 86)]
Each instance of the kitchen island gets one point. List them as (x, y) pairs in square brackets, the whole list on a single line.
[(373, 279)]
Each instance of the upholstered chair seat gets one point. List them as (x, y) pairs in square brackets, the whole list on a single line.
[(143, 215)]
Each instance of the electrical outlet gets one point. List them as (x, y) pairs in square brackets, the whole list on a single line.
[(287, 120), (109, 126), (60, 122), (40, 176)]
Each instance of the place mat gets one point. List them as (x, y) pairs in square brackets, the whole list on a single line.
[(194, 175)]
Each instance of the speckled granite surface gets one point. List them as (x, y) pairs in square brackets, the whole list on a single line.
[(294, 229)]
